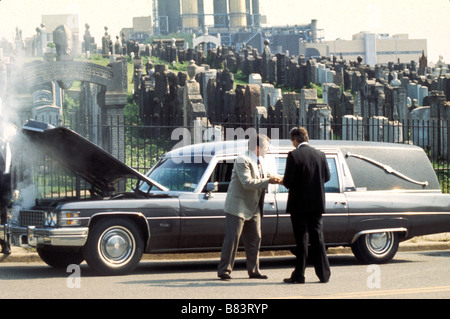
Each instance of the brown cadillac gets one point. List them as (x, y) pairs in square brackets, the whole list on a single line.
[(379, 194)]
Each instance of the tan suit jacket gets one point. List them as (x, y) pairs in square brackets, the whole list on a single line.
[(246, 187)]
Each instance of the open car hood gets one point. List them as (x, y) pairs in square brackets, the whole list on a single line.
[(82, 157)]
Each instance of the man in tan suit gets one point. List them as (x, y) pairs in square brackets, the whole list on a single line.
[(244, 208)]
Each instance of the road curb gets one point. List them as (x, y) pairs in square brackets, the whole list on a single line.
[(22, 255)]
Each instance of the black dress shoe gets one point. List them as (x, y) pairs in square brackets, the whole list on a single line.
[(257, 276), (225, 277), (6, 249), (294, 281)]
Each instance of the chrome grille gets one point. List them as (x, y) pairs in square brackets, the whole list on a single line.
[(32, 218)]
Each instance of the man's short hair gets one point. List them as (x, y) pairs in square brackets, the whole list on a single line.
[(257, 140), (299, 134)]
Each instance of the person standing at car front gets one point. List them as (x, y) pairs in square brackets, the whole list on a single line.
[(305, 175), (244, 208), (8, 176)]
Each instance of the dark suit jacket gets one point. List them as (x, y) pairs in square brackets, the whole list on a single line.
[(305, 175)]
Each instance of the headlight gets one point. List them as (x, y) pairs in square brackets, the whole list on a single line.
[(13, 214), (69, 218), (51, 219)]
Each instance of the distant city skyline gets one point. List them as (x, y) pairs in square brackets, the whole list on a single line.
[(339, 19)]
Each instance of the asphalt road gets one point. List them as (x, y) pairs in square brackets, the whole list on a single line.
[(417, 275)]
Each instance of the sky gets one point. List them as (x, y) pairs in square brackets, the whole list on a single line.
[(419, 19)]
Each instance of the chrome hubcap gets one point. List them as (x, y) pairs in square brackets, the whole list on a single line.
[(117, 245), (379, 243)]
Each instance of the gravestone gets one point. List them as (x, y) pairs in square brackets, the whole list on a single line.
[(266, 56), (348, 106), (420, 126), (320, 119), (307, 97), (291, 105), (352, 128), (281, 68), (207, 76), (377, 129), (260, 117), (272, 70), (252, 99), (311, 71), (193, 106)]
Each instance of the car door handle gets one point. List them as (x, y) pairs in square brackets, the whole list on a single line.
[(341, 203)]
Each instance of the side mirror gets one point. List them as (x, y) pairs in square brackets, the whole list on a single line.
[(210, 188)]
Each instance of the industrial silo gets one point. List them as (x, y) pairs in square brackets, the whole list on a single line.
[(238, 15), (314, 31), (169, 13), (248, 12), (256, 13), (201, 13), (220, 13), (190, 14)]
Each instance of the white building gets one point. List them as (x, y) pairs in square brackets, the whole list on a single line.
[(372, 48)]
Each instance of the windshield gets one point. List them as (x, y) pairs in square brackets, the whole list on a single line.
[(176, 176)]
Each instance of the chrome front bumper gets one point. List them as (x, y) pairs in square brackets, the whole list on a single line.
[(31, 236)]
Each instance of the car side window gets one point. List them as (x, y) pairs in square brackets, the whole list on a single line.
[(222, 175), (177, 175), (332, 186)]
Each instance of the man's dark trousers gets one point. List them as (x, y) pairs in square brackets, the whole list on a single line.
[(304, 226)]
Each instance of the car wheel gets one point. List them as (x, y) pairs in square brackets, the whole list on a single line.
[(60, 257), (114, 247), (376, 248)]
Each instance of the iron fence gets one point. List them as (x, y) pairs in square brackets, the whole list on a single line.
[(145, 144)]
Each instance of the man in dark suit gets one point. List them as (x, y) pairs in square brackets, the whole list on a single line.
[(7, 178), (305, 175)]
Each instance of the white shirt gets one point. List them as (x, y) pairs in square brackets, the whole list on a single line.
[(257, 160), (304, 143)]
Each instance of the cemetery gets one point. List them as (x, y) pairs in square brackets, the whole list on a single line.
[(333, 98)]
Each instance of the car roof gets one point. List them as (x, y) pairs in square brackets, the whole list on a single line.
[(373, 165), (234, 147)]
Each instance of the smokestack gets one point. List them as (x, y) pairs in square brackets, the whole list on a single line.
[(201, 13), (238, 16), (314, 31), (256, 13), (248, 12), (171, 10), (220, 13), (190, 14)]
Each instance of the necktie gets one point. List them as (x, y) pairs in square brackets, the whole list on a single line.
[(261, 172)]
